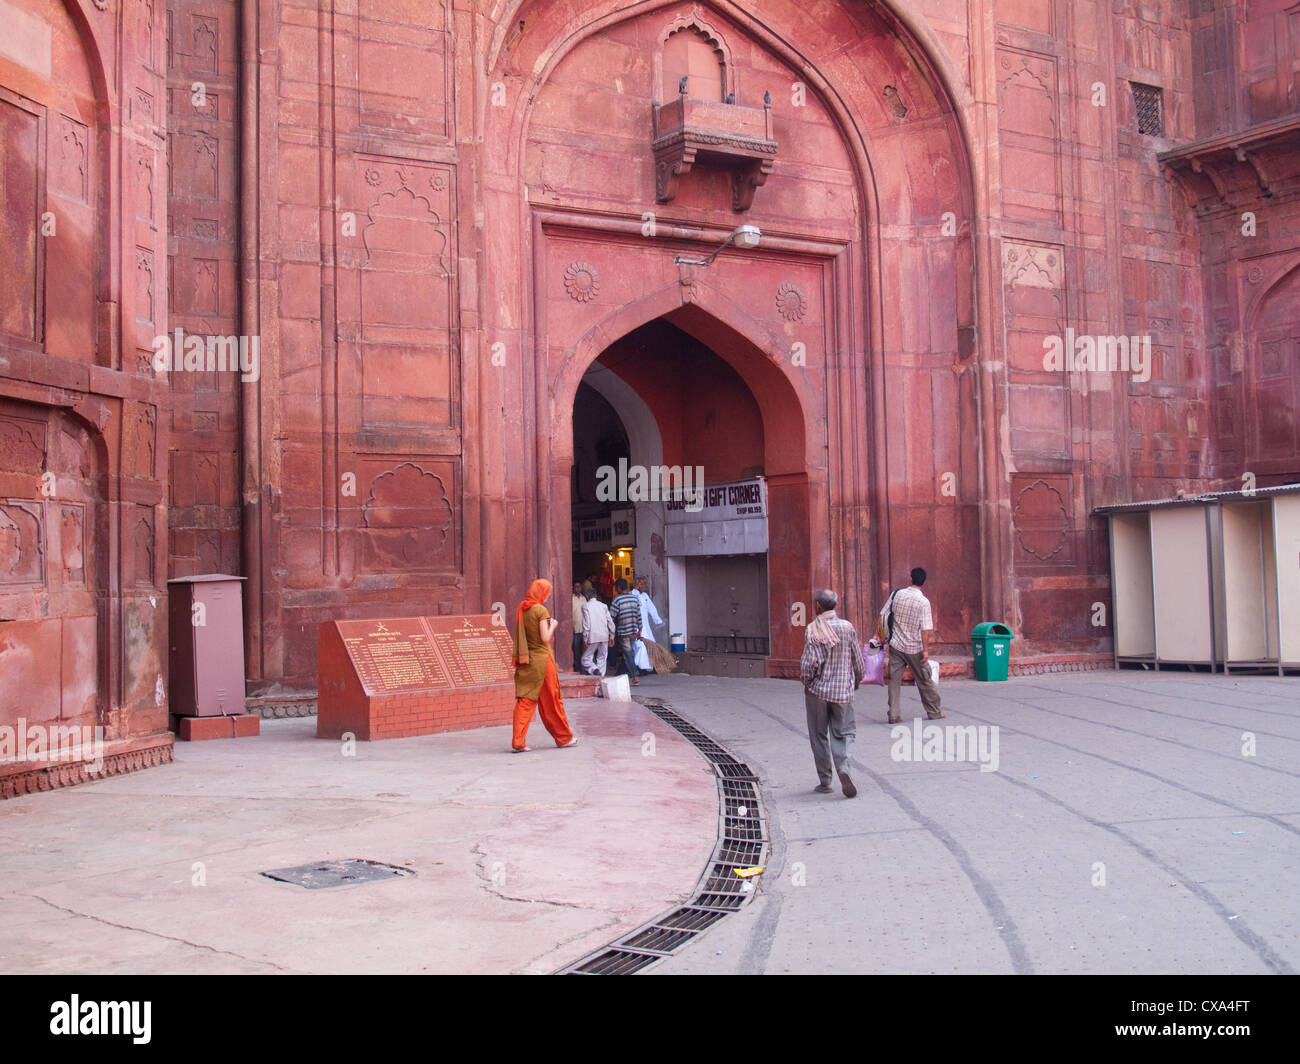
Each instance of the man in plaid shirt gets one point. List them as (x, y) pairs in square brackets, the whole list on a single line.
[(910, 646), (831, 670)]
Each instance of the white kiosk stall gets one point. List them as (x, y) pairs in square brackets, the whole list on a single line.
[(1207, 579)]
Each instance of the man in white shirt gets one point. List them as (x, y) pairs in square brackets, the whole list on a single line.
[(648, 614), (578, 602), (909, 646), (597, 633)]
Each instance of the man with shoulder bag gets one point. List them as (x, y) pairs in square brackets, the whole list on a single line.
[(908, 624)]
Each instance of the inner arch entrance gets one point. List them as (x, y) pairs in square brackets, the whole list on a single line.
[(687, 469)]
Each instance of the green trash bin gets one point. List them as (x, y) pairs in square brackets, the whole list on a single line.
[(992, 645)]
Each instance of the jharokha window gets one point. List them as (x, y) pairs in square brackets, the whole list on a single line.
[(690, 52)]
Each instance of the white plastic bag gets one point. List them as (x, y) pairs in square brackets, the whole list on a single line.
[(616, 689)]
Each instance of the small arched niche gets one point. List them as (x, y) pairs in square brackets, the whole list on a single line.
[(689, 52)]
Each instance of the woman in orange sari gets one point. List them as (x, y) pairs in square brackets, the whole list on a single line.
[(537, 681)]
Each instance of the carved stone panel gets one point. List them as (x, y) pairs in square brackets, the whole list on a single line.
[(72, 533), (22, 445), (1041, 514), (141, 546), (22, 543), (405, 312), (70, 159), (409, 518), (22, 198), (1028, 103)]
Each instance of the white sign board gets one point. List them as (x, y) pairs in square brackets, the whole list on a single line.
[(740, 499)]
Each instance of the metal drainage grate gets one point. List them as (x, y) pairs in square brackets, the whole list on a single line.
[(659, 939), (615, 962), (325, 874), (744, 829), (691, 919), (741, 853), (742, 834), (723, 880), (740, 791), (726, 902)]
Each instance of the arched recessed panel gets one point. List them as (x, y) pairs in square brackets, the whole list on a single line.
[(690, 53), (1275, 380)]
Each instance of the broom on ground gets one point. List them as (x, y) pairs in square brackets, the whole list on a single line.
[(660, 658)]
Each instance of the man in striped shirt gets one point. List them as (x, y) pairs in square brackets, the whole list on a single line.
[(831, 670), (626, 611)]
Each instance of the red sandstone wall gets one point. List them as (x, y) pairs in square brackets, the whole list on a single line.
[(417, 333), (82, 295), (366, 192), (204, 116)]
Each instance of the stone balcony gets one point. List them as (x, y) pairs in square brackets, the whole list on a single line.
[(1233, 169), (726, 136)]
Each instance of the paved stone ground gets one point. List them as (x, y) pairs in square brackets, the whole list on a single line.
[(526, 863), (523, 862), (939, 867)]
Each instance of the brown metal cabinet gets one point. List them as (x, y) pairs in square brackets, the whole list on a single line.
[(206, 631)]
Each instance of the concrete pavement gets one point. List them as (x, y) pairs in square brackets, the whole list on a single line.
[(522, 863), (1135, 823), (1130, 827)]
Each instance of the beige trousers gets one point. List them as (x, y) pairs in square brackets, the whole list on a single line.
[(927, 687)]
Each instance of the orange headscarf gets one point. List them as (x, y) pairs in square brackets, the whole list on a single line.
[(538, 592)]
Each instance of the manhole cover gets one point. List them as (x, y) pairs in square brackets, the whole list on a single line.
[(336, 873)]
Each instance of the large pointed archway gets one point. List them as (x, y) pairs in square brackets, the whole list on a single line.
[(779, 456), (853, 322)]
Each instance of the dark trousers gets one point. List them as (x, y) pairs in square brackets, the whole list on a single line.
[(626, 655), (577, 651)]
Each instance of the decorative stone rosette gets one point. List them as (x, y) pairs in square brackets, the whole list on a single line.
[(581, 281), (790, 302)]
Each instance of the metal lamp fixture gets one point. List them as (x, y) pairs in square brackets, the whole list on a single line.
[(743, 236)]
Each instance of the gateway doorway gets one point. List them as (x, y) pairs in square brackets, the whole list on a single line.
[(668, 483)]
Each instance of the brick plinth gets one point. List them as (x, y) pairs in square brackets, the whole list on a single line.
[(416, 713), (344, 706), (196, 729)]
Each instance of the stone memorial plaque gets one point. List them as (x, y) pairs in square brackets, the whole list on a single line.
[(475, 651), (393, 655)]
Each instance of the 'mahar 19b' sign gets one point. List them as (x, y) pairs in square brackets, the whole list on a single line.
[(722, 502)]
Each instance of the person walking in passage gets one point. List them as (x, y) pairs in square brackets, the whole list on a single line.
[(909, 646), (831, 670), (537, 681), (626, 610), (578, 603), (649, 616), (597, 634)]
